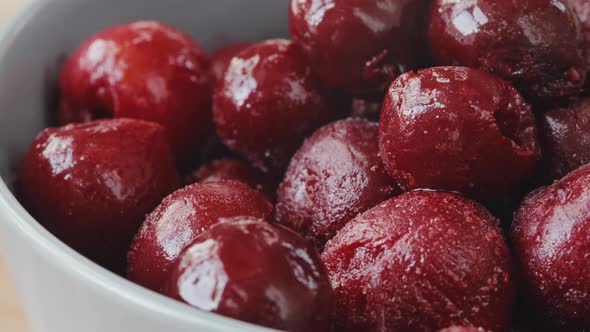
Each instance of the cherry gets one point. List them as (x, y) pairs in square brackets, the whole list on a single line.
[(357, 45), (421, 262), (221, 58), (92, 184), (269, 101), (334, 176), (457, 129), (551, 238), (537, 45), (180, 218), (565, 136), (144, 70), (227, 169), (257, 272)]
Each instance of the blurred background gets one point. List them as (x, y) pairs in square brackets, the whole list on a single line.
[(11, 316)]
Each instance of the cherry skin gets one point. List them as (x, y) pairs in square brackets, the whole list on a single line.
[(537, 45), (551, 239), (457, 129), (254, 271), (269, 101), (565, 136), (582, 10), (422, 261), (357, 45), (92, 184), (180, 218), (221, 58), (144, 70), (334, 176), (237, 170)]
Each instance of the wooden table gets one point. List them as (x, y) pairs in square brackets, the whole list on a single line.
[(11, 315)]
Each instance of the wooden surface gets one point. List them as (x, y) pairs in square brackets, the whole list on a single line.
[(11, 316)]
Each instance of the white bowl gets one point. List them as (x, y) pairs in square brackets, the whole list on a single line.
[(61, 290)]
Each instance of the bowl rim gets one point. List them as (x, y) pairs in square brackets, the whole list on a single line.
[(14, 215)]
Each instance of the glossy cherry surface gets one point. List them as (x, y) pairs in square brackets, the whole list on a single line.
[(457, 129), (565, 134), (357, 45), (143, 70), (538, 45), (421, 262), (551, 238), (92, 184), (180, 218), (221, 58), (238, 170), (334, 176), (269, 101), (257, 272)]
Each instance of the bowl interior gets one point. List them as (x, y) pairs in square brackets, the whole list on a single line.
[(38, 42)]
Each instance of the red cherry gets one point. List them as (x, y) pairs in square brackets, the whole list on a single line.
[(537, 45), (336, 175), (221, 58), (144, 70), (257, 272), (457, 129), (421, 262), (360, 46), (551, 239), (269, 101), (92, 184), (180, 218)]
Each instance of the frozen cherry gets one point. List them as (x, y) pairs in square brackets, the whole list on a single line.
[(180, 218), (357, 45), (269, 101), (565, 136), (92, 184), (334, 176), (463, 329), (457, 129), (537, 45), (221, 58), (254, 271), (228, 169), (551, 238), (366, 109), (143, 70), (582, 10), (422, 261)]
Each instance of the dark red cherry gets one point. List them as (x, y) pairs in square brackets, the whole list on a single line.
[(334, 176), (360, 46), (537, 45), (565, 134), (180, 218), (221, 58), (257, 272), (92, 184), (457, 129), (238, 170), (269, 101), (551, 238), (144, 70), (421, 262)]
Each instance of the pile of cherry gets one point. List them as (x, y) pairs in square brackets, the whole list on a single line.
[(399, 209)]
